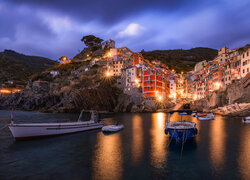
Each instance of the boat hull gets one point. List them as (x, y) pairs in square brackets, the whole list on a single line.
[(112, 128), (205, 118), (27, 131), (181, 134)]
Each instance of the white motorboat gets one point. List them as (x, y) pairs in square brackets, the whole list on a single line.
[(209, 116), (246, 119), (112, 128), (34, 130)]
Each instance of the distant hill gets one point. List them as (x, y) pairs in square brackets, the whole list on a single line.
[(179, 59), (19, 67)]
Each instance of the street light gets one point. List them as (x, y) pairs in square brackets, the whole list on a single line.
[(159, 98), (217, 85), (108, 74)]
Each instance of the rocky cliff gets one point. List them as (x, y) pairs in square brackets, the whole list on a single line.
[(235, 97), (76, 86)]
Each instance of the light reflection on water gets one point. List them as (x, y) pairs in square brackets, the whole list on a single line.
[(107, 162), (244, 155), (217, 143), (158, 140), (137, 139), (221, 150)]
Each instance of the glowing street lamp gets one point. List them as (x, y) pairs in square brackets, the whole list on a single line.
[(217, 85), (159, 98), (108, 74)]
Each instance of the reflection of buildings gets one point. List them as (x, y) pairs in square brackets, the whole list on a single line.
[(137, 139), (244, 155), (158, 140), (217, 143), (108, 157)]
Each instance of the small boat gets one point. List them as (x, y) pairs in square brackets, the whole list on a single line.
[(246, 119), (35, 130), (112, 128), (201, 114), (181, 130), (205, 116)]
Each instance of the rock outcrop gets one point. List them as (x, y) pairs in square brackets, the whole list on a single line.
[(74, 89), (235, 109), (234, 100)]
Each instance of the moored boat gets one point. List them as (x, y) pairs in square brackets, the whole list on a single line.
[(246, 119), (35, 130), (181, 130), (204, 116), (112, 128)]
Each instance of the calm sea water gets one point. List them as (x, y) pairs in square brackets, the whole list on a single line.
[(221, 150)]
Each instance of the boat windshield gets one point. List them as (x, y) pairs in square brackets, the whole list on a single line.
[(84, 116)]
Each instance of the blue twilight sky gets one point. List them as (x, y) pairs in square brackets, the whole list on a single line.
[(52, 28)]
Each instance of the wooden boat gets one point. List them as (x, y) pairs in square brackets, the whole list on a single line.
[(35, 130), (112, 128), (209, 116), (181, 130), (246, 119)]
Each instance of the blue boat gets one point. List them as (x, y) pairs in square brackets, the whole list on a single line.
[(181, 130)]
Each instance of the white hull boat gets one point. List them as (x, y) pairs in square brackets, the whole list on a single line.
[(24, 131), (207, 117), (35, 130), (246, 119), (112, 128)]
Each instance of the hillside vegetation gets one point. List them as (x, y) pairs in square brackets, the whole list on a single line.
[(179, 59), (19, 67)]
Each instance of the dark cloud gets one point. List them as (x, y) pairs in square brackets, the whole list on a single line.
[(53, 28), (111, 11)]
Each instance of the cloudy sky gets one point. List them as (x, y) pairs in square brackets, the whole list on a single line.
[(52, 28)]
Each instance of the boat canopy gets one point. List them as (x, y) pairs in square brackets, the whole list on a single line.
[(183, 112)]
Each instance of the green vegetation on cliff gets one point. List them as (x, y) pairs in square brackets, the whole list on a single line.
[(179, 59), (19, 67)]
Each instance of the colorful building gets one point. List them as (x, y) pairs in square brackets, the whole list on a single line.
[(152, 83), (245, 62)]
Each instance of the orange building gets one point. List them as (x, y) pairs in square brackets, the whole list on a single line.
[(136, 58), (152, 83)]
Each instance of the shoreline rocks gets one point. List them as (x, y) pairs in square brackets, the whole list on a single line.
[(236, 109)]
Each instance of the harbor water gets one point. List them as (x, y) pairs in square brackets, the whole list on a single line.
[(221, 150)]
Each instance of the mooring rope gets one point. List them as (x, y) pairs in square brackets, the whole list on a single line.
[(3, 127), (171, 139), (182, 144)]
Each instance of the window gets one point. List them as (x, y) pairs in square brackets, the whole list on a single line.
[(243, 70), (247, 69)]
